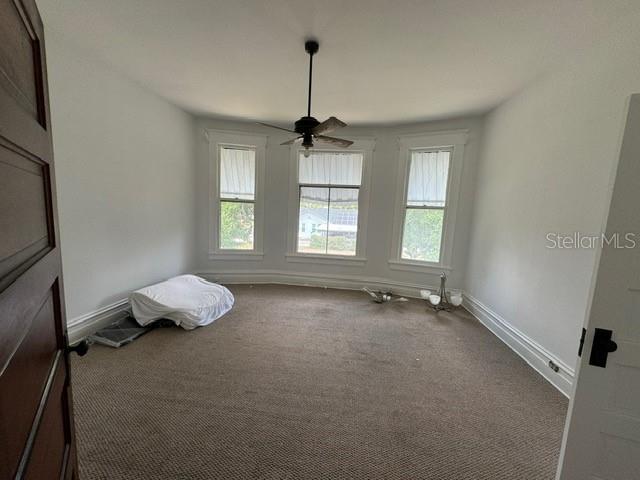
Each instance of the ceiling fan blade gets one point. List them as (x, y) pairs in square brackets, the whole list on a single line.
[(329, 125), (292, 141), (335, 141), (279, 128)]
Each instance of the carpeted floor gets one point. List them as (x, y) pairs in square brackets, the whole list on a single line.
[(303, 383)]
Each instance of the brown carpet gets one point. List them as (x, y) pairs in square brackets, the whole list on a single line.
[(304, 383)]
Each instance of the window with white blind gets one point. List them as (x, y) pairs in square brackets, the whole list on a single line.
[(426, 204), (328, 193), (237, 175), (237, 198), (328, 204), (429, 174)]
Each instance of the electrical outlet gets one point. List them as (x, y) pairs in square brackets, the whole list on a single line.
[(553, 366)]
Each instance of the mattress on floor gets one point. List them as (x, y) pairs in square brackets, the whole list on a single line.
[(188, 300)]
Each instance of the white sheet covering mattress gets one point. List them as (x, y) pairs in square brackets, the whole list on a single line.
[(188, 300)]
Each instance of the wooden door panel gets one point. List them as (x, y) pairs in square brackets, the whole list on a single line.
[(18, 305), (23, 381), (20, 61), (36, 419), (23, 93), (25, 221), (52, 443)]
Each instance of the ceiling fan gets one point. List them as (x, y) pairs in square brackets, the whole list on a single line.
[(308, 128)]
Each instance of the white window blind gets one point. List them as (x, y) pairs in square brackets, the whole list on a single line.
[(237, 173), (428, 175), (330, 168)]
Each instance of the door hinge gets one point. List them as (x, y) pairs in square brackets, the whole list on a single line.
[(584, 333)]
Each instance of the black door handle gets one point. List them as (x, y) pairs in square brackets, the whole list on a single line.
[(602, 346), (80, 348)]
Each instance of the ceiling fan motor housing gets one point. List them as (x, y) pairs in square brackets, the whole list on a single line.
[(306, 125)]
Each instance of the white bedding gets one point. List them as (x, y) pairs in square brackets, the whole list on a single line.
[(188, 300)]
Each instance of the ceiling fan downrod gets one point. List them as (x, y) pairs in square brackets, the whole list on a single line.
[(308, 128), (311, 46)]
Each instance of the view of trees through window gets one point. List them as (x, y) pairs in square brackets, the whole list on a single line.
[(422, 234), (236, 225)]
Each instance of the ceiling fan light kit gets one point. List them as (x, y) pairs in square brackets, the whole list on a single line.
[(309, 128)]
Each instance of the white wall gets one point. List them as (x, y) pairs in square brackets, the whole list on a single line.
[(545, 166), (125, 175), (380, 222)]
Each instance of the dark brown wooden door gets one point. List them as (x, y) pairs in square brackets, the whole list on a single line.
[(36, 420)]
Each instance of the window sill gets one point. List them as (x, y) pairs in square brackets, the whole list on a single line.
[(421, 267), (239, 255), (326, 259)]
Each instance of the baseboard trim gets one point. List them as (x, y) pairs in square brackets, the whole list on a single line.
[(343, 282), (84, 325), (532, 352)]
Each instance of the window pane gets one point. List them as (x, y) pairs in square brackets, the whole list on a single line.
[(331, 168), (428, 174), (236, 225), (422, 234), (343, 221), (312, 224), (237, 173)]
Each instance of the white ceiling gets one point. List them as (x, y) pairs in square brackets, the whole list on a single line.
[(380, 61)]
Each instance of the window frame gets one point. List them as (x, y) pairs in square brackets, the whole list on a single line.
[(219, 139), (453, 141), (365, 146), (328, 187)]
